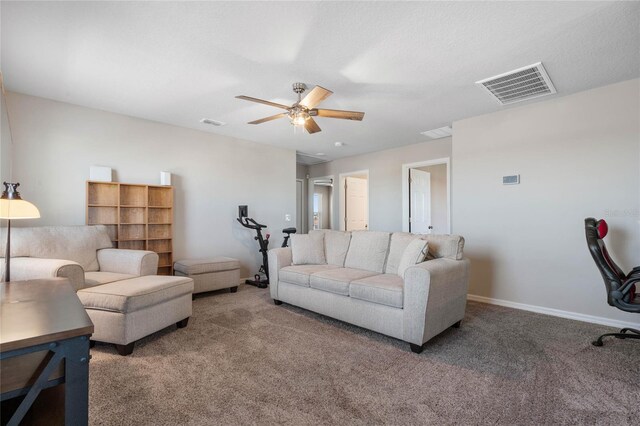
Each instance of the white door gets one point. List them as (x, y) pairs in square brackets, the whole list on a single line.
[(420, 202), (356, 202), (299, 204)]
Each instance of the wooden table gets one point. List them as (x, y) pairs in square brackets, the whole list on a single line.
[(44, 342)]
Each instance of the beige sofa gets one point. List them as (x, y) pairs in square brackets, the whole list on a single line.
[(83, 254), (359, 283), (119, 289)]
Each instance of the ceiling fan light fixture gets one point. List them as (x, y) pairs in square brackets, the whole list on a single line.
[(299, 116)]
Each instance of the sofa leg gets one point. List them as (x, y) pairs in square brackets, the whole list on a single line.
[(416, 349), (183, 323), (125, 350), (233, 289), (457, 325), (277, 302)]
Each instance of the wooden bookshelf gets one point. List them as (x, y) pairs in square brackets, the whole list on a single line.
[(138, 217)]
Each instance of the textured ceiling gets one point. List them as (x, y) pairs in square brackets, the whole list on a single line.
[(410, 66)]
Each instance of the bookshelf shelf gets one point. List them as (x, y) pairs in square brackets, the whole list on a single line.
[(138, 217)]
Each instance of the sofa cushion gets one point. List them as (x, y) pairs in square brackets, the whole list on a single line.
[(336, 245), (368, 250), (415, 253), (399, 242), (385, 289), (299, 274), (308, 249), (75, 243), (337, 280), (204, 266), (444, 245), (97, 278), (135, 293)]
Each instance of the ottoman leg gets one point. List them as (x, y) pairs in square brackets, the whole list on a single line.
[(183, 323), (234, 289), (277, 302), (125, 350)]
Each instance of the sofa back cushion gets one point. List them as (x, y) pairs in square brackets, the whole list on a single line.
[(336, 245), (444, 245), (75, 243), (415, 253), (308, 249), (368, 250), (397, 246)]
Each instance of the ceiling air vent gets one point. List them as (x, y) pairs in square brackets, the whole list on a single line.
[(519, 85), (442, 132), (212, 122)]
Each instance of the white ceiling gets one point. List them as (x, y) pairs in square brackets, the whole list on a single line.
[(410, 66)]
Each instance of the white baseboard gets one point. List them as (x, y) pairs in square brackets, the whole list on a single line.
[(553, 312)]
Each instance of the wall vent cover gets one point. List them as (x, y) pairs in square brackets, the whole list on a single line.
[(442, 132), (212, 122), (519, 85)]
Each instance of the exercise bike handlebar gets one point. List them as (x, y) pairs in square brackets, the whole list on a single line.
[(247, 221)]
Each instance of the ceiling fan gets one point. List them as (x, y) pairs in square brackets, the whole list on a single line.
[(302, 112)]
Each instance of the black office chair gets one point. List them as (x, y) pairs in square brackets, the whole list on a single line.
[(621, 288)]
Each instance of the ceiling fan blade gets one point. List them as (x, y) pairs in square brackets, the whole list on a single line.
[(315, 96), (273, 117), (334, 113), (311, 126), (262, 101)]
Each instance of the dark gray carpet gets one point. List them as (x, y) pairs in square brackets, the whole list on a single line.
[(243, 360)]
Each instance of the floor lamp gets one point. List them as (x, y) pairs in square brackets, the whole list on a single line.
[(12, 206)]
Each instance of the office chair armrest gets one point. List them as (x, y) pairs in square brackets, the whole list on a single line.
[(626, 286)]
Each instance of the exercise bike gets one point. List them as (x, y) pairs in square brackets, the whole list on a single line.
[(263, 242)]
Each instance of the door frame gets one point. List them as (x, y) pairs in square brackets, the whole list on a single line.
[(342, 195), (309, 204), (405, 188), (303, 208)]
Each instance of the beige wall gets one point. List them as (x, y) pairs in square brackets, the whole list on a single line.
[(55, 143), (578, 156), (5, 144), (439, 208), (302, 171), (385, 179)]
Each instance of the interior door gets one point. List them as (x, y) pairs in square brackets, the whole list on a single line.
[(356, 203), (420, 202), (299, 204)]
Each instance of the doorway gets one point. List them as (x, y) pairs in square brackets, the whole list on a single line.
[(321, 202), (354, 200), (426, 197), (300, 210)]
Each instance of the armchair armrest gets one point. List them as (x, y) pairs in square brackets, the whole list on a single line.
[(435, 297), (278, 259), (134, 262), (29, 268)]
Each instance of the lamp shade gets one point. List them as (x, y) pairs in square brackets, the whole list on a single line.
[(18, 209)]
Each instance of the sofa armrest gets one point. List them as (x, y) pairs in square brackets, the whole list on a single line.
[(278, 259), (134, 262), (435, 297), (30, 268)]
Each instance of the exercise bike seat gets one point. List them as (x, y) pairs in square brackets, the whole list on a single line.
[(289, 231)]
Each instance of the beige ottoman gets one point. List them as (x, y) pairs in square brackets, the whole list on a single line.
[(210, 274), (128, 310)]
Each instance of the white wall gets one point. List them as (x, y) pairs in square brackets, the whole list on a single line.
[(578, 156), (55, 143), (385, 179)]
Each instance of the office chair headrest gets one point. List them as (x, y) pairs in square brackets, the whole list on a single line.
[(603, 228)]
